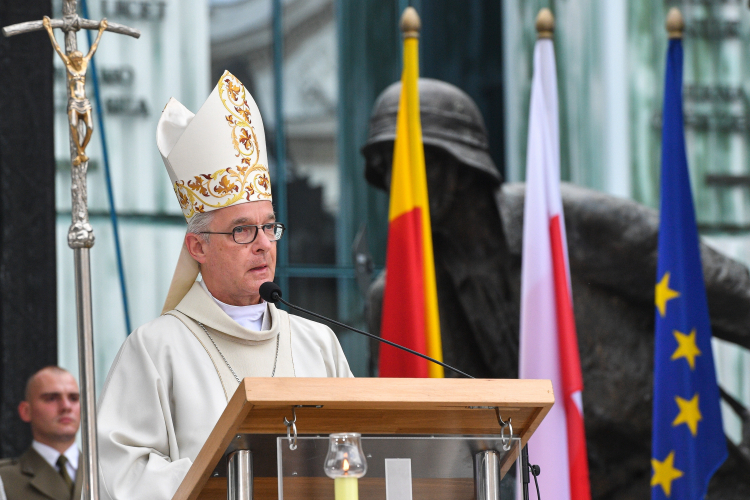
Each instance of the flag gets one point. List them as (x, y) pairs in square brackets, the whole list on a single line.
[(410, 310), (688, 442), (548, 340)]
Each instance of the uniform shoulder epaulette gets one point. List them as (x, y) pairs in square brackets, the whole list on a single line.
[(5, 462)]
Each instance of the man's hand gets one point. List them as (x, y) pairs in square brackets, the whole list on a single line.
[(103, 24)]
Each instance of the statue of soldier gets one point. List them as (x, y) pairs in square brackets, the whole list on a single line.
[(476, 300), (79, 106), (477, 227)]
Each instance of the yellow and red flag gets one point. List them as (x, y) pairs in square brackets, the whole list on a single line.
[(410, 310)]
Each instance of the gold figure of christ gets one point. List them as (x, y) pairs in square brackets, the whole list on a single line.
[(79, 106)]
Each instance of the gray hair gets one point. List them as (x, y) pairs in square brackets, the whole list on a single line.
[(200, 223)]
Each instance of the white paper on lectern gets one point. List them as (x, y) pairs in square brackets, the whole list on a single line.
[(398, 479)]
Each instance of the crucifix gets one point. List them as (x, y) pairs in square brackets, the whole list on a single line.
[(80, 234), (78, 104)]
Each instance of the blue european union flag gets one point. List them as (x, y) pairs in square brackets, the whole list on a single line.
[(688, 442)]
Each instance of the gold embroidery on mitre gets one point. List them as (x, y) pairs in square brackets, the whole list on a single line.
[(249, 180)]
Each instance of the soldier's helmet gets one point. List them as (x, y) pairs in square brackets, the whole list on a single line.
[(450, 119)]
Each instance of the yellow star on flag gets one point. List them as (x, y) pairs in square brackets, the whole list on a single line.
[(664, 294), (689, 414), (665, 473), (686, 347)]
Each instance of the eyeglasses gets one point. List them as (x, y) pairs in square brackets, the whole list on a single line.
[(246, 234)]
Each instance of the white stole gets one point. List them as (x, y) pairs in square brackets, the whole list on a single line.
[(197, 306)]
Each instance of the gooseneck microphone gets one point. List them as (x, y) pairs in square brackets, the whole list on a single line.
[(271, 292)]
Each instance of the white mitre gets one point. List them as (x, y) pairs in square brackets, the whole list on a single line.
[(215, 159)]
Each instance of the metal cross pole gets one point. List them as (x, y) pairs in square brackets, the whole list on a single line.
[(80, 234)]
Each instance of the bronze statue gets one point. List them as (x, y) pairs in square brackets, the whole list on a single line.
[(79, 106), (476, 300), (477, 225)]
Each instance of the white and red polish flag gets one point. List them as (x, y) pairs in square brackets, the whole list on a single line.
[(548, 340)]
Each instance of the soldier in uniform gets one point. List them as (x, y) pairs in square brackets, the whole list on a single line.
[(48, 470)]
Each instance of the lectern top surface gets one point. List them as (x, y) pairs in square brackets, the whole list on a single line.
[(397, 392)]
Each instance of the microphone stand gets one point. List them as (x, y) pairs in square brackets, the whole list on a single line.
[(534, 469), (525, 472), (276, 296)]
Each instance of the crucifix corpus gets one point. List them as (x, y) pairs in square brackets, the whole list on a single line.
[(80, 234), (78, 104)]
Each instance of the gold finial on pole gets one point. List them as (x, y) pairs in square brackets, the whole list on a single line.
[(675, 23), (410, 23), (545, 24)]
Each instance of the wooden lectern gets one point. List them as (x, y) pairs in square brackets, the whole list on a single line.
[(379, 406)]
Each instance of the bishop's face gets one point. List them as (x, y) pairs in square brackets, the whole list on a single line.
[(233, 272)]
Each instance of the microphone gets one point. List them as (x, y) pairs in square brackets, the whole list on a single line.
[(271, 292)]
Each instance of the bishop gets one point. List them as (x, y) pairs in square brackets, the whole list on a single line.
[(173, 376)]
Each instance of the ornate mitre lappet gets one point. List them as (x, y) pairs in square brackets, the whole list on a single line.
[(215, 158)]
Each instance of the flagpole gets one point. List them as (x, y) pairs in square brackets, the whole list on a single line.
[(688, 442), (410, 307), (547, 317), (411, 26)]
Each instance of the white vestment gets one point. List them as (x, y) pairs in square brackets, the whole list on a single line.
[(169, 385)]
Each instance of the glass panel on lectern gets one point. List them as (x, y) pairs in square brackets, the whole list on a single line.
[(441, 467)]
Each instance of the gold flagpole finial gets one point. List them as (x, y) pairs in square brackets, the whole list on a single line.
[(545, 24), (675, 23), (410, 23)]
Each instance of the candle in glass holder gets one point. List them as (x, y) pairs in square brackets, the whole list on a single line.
[(345, 463)]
